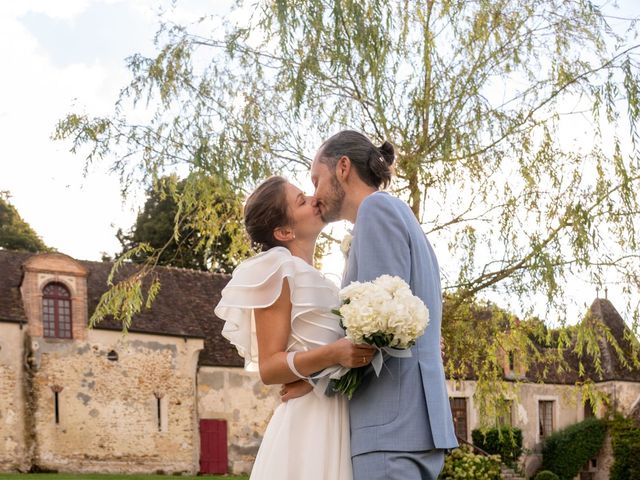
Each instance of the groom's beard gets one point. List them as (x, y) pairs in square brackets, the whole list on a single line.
[(333, 203)]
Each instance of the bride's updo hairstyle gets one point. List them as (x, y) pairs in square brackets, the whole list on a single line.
[(372, 163), (265, 210)]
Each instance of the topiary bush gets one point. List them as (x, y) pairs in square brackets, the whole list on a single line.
[(625, 442), (463, 464), (566, 451), (503, 441), (546, 475)]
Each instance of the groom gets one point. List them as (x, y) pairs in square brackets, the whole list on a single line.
[(401, 421)]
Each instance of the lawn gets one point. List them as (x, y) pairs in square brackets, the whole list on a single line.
[(94, 476)]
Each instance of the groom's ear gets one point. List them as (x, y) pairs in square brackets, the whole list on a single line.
[(343, 168)]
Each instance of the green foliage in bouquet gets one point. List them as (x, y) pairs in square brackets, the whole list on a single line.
[(504, 441), (566, 451), (546, 475), (348, 384), (463, 464), (625, 441)]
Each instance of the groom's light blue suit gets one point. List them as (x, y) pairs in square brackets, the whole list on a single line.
[(400, 421)]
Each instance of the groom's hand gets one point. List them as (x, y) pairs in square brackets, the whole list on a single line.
[(295, 389)]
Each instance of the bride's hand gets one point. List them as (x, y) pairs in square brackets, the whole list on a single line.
[(294, 390), (350, 355)]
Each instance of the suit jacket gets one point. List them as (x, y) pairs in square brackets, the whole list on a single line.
[(407, 407)]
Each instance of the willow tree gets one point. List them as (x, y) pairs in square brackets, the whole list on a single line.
[(195, 245), (475, 95)]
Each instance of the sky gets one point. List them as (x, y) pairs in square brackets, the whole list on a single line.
[(59, 56), (67, 56)]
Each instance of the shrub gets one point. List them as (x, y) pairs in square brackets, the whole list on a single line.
[(634, 462), (625, 442), (566, 451), (503, 441), (546, 475), (463, 464)]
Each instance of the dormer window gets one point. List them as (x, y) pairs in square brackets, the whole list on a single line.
[(56, 311)]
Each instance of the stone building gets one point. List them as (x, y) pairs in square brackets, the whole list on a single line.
[(172, 396), (540, 409), (92, 400)]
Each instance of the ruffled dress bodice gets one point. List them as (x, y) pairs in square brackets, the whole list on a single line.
[(257, 283)]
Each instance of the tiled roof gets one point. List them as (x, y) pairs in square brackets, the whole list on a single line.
[(183, 307), (601, 312), (613, 367), (11, 307), (567, 372)]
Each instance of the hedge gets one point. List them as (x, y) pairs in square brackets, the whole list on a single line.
[(625, 442), (634, 462), (503, 441), (566, 451)]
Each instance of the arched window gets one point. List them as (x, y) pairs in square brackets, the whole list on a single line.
[(56, 311)]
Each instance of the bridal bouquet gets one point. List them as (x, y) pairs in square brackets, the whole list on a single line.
[(383, 313)]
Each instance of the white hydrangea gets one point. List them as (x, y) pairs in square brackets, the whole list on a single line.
[(385, 306)]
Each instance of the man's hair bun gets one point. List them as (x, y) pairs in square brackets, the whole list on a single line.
[(388, 153)]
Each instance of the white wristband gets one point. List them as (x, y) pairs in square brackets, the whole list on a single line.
[(292, 367)]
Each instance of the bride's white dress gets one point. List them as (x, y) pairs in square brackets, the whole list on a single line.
[(307, 437)]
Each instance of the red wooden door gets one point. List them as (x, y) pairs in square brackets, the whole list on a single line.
[(213, 446)]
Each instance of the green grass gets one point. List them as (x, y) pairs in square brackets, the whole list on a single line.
[(95, 476)]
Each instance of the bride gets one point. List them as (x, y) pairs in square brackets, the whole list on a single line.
[(277, 312)]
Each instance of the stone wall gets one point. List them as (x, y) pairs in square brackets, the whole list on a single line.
[(568, 409), (240, 398), (13, 445), (624, 395), (108, 409)]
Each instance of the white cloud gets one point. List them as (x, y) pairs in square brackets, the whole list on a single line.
[(60, 57), (71, 213)]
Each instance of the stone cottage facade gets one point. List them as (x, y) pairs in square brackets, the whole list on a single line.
[(540, 409), (74, 399), (172, 396)]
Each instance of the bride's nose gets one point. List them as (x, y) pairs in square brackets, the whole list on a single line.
[(313, 200)]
